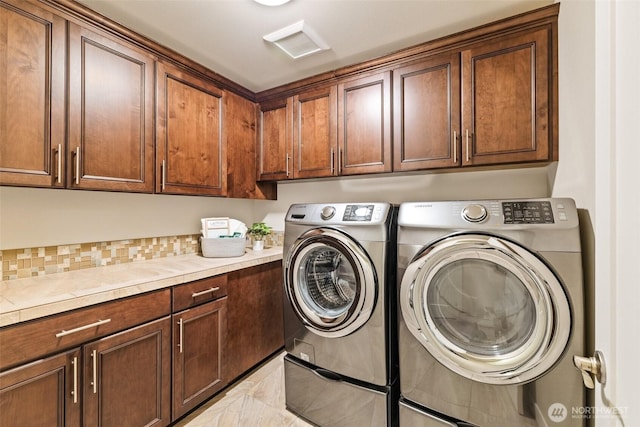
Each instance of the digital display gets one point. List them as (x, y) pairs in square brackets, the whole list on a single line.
[(527, 212), (358, 213)]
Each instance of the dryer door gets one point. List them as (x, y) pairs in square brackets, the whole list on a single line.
[(331, 282), (486, 308)]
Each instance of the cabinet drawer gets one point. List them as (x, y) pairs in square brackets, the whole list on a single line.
[(29, 341), (194, 293)]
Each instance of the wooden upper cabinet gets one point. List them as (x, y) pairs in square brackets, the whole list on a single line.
[(190, 152), (275, 145), (364, 125), (314, 133), (427, 113), (507, 100), (111, 97), (32, 95)]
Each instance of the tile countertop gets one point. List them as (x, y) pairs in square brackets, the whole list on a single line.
[(34, 297)]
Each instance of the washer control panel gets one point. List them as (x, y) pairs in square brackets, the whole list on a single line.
[(527, 212), (358, 213)]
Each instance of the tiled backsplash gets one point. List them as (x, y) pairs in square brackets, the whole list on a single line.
[(30, 262)]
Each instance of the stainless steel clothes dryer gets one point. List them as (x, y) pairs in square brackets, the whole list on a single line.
[(491, 295), (340, 313)]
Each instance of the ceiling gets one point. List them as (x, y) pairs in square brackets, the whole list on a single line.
[(226, 36)]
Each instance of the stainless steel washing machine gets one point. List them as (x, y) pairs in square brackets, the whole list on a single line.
[(492, 313), (340, 320)]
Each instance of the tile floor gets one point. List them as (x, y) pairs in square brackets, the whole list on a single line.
[(256, 401)]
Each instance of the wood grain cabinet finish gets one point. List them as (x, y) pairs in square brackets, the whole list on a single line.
[(364, 125), (427, 114), (275, 145), (32, 95), (254, 317), (191, 156), (43, 393), (127, 378), (315, 133), (507, 108), (199, 336), (111, 98)]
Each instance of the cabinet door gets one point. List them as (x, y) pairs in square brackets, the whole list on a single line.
[(314, 133), (198, 338), (364, 125), (427, 114), (127, 377), (32, 88), (190, 150), (43, 393), (240, 118), (111, 94), (275, 148), (507, 100), (255, 317)]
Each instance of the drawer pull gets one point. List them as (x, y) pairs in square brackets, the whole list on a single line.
[(82, 328), (207, 291)]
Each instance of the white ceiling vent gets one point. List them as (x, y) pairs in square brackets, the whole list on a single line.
[(297, 40)]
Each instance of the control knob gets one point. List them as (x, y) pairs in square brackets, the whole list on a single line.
[(474, 213), (327, 212)]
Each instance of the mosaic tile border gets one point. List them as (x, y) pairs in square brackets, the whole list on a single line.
[(33, 262)]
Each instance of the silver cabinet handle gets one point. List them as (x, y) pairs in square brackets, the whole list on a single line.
[(206, 291), (340, 160), (467, 143), (181, 334), (332, 161), (94, 380), (164, 174), (59, 172), (81, 328), (455, 147), (74, 392), (78, 165), (287, 165)]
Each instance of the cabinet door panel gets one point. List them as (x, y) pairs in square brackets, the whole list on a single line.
[(427, 113), (314, 133), (506, 100), (110, 114), (199, 336), (127, 377), (190, 145), (364, 125), (275, 149), (32, 103), (254, 317), (42, 393)]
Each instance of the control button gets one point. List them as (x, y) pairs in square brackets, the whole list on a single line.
[(560, 206), (562, 216), (327, 212), (474, 213)]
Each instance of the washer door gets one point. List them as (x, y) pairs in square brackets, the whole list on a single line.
[(331, 282), (486, 308)]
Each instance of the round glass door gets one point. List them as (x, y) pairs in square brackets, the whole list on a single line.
[(486, 308), (330, 282)]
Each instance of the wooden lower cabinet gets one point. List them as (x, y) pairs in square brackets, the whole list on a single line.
[(120, 380), (42, 393), (254, 317), (127, 377), (198, 343)]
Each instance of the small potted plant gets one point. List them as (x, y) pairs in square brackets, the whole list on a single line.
[(258, 231)]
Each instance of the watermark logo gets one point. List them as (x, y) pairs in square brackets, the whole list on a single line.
[(557, 412)]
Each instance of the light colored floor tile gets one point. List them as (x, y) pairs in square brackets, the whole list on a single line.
[(257, 401)]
